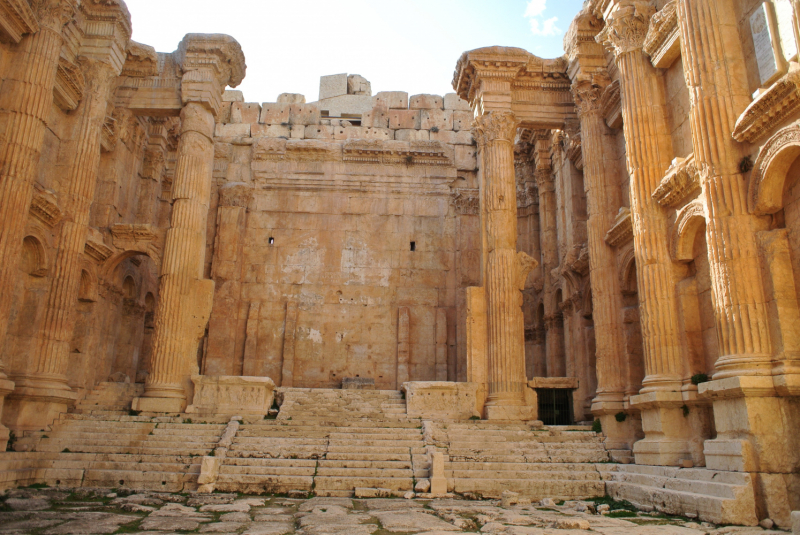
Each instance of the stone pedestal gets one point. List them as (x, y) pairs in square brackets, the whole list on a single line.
[(229, 395), (6, 387), (442, 400), (665, 427)]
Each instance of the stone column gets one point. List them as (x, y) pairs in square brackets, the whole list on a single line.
[(209, 63), (25, 102), (746, 411), (649, 153), (506, 270), (42, 391), (603, 200)]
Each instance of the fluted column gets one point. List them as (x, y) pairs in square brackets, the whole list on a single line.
[(649, 153), (603, 200), (209, 63), (714, 69), (25, 99), (48, 367), (506, 269)]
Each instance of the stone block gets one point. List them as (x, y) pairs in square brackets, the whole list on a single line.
[(291, 98), (462, 120), (377, 133), (358, 85), (362, 492), (271, 130), (454, 102), (464, 138), (391, 100), (224, 115), (232, 95), (227, 395), (436, 119), (425, 102), (444, 136), (441, 400), (376, 118), (333, 85), (399, 119), (232, 130), (412, 135), (795, 522), (466, 157), (319, 132), (274, 113), (297, 131), (245, 112), (305, 114), (358, 383)]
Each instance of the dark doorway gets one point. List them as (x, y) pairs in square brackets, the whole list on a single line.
[(555, 406)]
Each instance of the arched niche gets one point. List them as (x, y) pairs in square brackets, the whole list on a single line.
[(34, 257), (627, 271), (771, 168), (690, 219)]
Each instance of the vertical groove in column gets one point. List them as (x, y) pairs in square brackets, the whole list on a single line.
[(739, 300)]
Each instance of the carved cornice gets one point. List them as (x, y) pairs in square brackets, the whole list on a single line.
[(140, 61), (395, 152), (580, 37), (97, 250), (681, 181), (106, 32), (44, 207), (626, 27), (770, 108), (495, 126), (662, 42), (16, 19), (69, 86), (466, 201), (622, 231)]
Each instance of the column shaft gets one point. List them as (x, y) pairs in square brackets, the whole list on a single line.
[(50, 363), (714, 69), (603, 200), (184, 301), (26, 99), (495, 132)]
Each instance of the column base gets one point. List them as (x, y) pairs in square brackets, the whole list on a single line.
[(666, 430), (35, 409), (620, 436), (154, 404)]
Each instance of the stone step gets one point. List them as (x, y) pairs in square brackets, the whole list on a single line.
[(361, 463), (520, 467), (385, 457), (536, 489), (267, 461), (253, 484), (250, 470), (377, 473), (526, 474), (323, 483)]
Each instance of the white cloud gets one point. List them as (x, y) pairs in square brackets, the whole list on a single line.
[(535, 8), (547, 27)]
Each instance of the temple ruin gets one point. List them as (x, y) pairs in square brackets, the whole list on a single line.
[(569, 278)]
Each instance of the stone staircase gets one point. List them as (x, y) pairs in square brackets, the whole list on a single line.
[(328, 441), (109, 398), (711, 495), (560, 462)]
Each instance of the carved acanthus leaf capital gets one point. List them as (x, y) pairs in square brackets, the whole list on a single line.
[(219, 53), (54, 14), (587, 89), (495, 126), (626, 27)]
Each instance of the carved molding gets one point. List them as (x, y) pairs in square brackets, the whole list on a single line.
[(133, 232), (69, 85), (588, 89), (687, 222), (663, 42), (466, 201), (770, 108), (97, 251), (622, 231), (681, 181), (430, 153), (108, 135), (626, 27), (611, 105), (140, 61), (44, 207), (768, 177), (16, 19)]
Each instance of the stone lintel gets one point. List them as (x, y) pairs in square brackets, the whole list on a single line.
[(16, 19), (663, 43), (554, 382)]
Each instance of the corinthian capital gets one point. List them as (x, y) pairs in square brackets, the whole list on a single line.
[(54, 14), (587, 89), (626, 27), (495, 126), (209, 63)]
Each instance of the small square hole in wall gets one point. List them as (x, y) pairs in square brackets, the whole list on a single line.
[(413, 246), (271, 240)]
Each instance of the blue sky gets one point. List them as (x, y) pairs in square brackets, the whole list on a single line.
[(400, 45)]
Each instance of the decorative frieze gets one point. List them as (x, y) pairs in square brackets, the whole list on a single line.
[(663, 42), (681, 181), (622, 231), (398, 152), (770, 108)]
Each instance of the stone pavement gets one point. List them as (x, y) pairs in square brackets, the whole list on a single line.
[(47, 511)]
